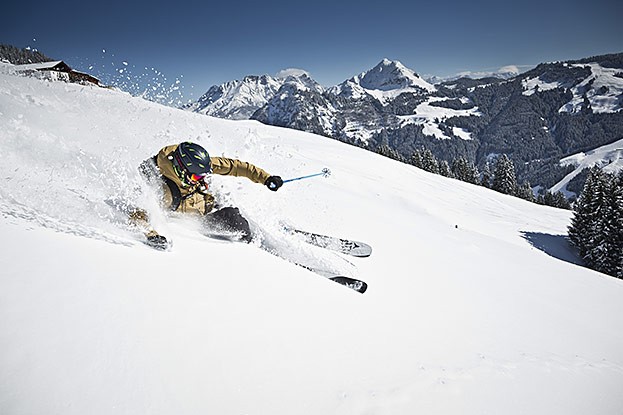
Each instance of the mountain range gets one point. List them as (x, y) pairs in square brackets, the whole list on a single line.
[(538, 118)]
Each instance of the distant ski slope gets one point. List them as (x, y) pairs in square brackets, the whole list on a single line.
[(608, 157)]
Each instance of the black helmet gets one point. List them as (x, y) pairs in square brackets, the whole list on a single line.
[(191, 162)]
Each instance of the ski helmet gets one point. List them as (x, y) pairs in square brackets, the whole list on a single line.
[(191, 162)]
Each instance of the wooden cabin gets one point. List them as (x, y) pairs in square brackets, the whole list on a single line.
[(58, 70)]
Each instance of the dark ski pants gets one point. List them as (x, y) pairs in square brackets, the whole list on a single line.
[(229, 220)]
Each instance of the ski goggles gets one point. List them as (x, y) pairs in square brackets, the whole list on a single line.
[(188, 178), (196, 177)]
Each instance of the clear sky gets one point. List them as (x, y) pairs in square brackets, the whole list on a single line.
[(203, 43)]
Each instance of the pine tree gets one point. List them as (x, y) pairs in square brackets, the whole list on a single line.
[(474, 174), (444, 169), (610, 250), (387, 151), (618, 271), (504, 178), (465, 171), (485, 180), (580, 222), (416, 159), (560, 201), (525, 192), (586, 229), (459, 166), (429, 162), (557, 200), (604, 244), (597, 230)]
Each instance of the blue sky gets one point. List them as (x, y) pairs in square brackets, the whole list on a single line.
[(206, 43)]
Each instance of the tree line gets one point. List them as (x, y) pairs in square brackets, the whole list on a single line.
[(597, 225), (498, 174), (18, 56)]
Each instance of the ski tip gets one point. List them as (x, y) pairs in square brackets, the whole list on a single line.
[(353, 284), (362, 252)]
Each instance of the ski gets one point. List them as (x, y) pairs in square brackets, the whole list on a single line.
[(345, 246), (351, 283), (224, 236)]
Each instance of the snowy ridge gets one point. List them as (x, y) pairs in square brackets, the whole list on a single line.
[(533, 85), (603, 89), (303, 83), (609, 158), (475, 302), (384, 82), (299, 101), (429, 116), (506, 72), (240, 99), (237, 99)]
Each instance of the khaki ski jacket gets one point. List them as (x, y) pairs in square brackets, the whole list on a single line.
[(197, 198)]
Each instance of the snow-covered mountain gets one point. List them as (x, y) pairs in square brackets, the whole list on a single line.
[(507, 72), (346, 110), (384, 82), (237, 99), (599, 88), (475, 303), (300, 104), (240, 99), (537, 117), (609, 158)]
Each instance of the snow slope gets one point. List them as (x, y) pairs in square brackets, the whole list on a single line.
[(602, 89), (475, 304), (429, 116), (608, 157)]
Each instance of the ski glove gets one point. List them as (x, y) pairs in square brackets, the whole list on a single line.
[(274, 183)]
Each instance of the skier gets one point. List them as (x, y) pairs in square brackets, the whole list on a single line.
[(181, 170)]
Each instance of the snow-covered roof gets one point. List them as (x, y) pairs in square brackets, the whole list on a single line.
[(39, 66), (59, 66)]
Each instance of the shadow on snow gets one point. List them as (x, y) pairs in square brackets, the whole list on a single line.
[(557, 246)]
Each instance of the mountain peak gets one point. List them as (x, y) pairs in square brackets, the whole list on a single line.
[(303, 82), (237, 99), (390, 75)]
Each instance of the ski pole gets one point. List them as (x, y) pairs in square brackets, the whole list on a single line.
[(325, 173)]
